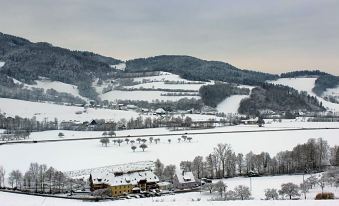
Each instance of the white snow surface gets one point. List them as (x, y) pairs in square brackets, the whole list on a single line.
[(162, 85), (305, 84), (231, 104), (2, 64), (75, 155), (141, 95), (41, 111)]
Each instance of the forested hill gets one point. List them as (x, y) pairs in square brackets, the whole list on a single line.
[(278, 98), (26, 61), (324, 80), (196, 69)]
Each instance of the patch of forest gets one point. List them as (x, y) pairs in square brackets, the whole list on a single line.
[(212, 95), (325, 82), (278, 98), (302, 73)]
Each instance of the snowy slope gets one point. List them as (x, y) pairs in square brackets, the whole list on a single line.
[(231, 104), (28, 109), (90, 153), (305, 84), (152, 82), (46, 84)]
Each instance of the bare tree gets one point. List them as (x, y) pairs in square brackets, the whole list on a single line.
[(143, 147), (2, 176), (271, 194), (242, 192), (133, 148), (104, 141), (290, 190), (220, 187), (126, 140), (209, 187)]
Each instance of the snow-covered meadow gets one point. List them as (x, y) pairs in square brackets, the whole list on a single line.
[(76, 155)]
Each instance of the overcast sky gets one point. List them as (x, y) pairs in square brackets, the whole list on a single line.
[(267, 35)]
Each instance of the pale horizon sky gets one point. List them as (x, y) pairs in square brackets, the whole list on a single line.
[(263, 35)]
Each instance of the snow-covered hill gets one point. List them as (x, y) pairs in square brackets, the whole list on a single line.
[(163, 81), (306, 84)]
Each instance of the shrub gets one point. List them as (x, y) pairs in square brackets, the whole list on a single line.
[(325, 196)]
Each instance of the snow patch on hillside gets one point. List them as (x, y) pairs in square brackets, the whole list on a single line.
[(306, 84), (231, 104), (121, 66), (2, 64)]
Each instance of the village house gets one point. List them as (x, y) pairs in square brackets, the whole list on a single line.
[(184, 180)]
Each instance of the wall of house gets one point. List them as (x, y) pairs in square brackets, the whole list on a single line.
[(121, 189)]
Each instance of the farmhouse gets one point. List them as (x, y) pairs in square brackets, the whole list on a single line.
[(124, 181), (184, 180)]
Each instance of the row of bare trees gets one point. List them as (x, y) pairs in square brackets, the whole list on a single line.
[(312, 156), (40, 178)]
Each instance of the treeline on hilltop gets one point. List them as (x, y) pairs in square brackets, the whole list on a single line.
[(325, 82), (26, 61), (301, 73), (278, 98), (198, 70), (212, 95)]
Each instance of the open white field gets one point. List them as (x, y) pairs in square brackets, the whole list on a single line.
[(141, 95), (41, 111), (305, 84), (76, 155), (8, 199)]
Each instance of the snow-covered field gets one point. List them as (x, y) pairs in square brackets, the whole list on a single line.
[(8, 199), (305, 84), (151, 82), (75, 155), (41, 111), (231, 104), (141, 95)]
